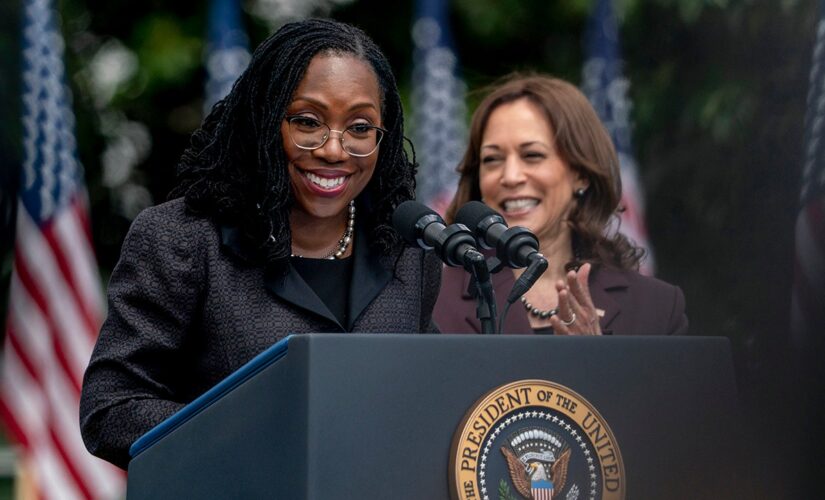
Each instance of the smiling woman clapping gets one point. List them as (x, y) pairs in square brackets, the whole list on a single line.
[(539, 155)]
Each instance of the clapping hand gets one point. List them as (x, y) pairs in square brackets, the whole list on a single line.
[(577, 315)]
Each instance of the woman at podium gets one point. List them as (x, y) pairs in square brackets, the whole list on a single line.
[(280, 224), (539, 155)]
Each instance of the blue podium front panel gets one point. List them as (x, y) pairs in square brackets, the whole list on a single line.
[(373, 416)]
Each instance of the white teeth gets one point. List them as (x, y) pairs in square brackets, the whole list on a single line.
[(519, 204), (325, 182)]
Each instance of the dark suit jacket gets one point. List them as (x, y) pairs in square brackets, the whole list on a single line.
[(186, 309), (633, 304)]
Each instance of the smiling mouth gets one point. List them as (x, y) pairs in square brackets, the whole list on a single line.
[(519, 204), (324, 182)]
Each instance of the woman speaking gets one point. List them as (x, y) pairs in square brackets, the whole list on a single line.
[(281, 224)]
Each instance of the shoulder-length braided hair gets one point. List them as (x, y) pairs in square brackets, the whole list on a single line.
[(235, 169), (583, 142)]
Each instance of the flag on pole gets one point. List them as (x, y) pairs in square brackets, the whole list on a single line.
[(606, 88), (808, 297), (227, 50), (438, 120), (807, 315), (55, 301)]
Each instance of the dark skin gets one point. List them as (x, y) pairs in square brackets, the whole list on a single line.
[(340, 91)]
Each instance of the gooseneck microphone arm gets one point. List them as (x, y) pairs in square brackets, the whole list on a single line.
[(536, 267), (455, 245)]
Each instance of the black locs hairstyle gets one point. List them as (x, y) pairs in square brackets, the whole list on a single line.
[(235, 169)]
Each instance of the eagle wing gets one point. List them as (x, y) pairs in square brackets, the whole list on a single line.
[(517, 473), (558, 471)]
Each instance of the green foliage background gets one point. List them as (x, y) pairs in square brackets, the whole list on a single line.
[(718, 88)]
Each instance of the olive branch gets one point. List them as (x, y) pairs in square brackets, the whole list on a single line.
[(504, 492)]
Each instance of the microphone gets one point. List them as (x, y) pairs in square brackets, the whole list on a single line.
[(420, 225), (455, 244), (515, 246)]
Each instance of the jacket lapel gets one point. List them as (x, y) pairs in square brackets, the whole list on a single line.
[(370, 274), (603, 283), (291, 288)]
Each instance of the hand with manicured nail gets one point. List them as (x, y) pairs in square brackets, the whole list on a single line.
[(577, 314)]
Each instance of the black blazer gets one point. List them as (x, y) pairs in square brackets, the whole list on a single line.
[(633, 304), (187, 308)]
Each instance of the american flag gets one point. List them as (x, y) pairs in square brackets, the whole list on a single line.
[(438, 120), (808, 298), (606, 89), (55, 300), (227, 50)]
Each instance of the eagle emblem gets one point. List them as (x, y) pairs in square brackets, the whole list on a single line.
[(537, 473), (535, 440)]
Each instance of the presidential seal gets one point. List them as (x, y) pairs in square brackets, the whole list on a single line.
[(535, 440)]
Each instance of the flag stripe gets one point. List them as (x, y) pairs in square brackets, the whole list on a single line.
[(55, 301), (75, 238), (810, 247), (69, 462), (55, 415), (24, 399), (62, 254), (606, 88), (51, 476), (19, 351), (36, 357), (39, 261), (55, 385), (37, 297), (82, 213), (11, 424), (65, 412), (30, 335), (808, 298)]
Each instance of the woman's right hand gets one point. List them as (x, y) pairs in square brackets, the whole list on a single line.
[(577, 314)]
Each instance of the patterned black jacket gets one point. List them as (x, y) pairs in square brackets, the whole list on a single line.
[(186, 310)]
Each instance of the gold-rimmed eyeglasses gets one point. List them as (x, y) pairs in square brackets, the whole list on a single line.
[(360, 139)]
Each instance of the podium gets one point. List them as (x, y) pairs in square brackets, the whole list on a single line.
[(374, 416)]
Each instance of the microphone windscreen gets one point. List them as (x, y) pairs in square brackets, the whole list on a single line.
[(472, 213), (407, 215)]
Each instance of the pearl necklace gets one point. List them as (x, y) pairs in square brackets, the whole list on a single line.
[(341, 247), (549, 313), (538, 313)]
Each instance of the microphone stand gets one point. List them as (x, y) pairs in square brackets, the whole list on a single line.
[(476, 265)]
